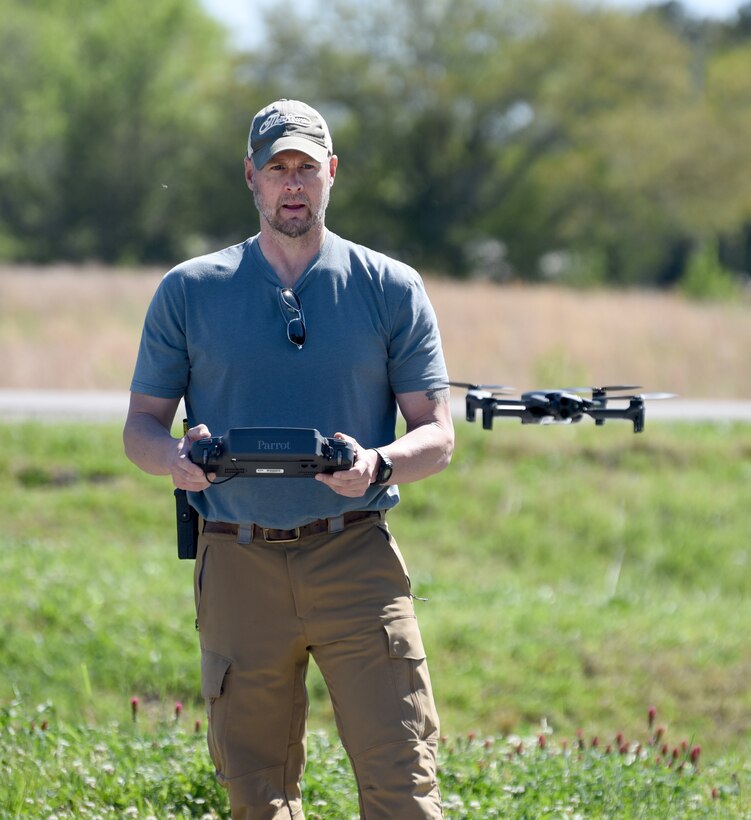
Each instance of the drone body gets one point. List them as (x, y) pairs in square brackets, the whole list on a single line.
[(565, 406)]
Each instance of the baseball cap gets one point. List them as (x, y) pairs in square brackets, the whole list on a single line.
[(288, 125)]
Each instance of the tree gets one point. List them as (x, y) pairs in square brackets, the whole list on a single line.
[(609, 84), (36, 57), (105, 108)]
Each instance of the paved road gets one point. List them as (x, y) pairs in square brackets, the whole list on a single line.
[(92, 406), (63, 405)]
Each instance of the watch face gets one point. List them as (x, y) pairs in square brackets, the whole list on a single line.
[(385, 469)]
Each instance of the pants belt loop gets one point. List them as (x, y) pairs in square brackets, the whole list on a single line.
[(245, 534), (335, 524)]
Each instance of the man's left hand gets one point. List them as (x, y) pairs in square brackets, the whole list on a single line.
[(353, 482)]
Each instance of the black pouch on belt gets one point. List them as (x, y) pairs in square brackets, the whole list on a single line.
[(187, 526)]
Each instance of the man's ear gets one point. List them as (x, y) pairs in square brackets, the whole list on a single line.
[(333, 164), (249, 172)]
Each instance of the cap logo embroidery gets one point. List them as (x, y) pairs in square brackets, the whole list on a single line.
[(283, 119)]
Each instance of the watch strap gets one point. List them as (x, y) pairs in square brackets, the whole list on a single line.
[(385, 467)]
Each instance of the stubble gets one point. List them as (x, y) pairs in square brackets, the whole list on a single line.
[(293, 228)]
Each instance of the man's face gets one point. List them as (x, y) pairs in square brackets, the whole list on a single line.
[(291, 191)]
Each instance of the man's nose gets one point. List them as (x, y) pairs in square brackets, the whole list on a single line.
[(293, 181)]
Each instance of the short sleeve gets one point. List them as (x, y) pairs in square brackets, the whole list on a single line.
[(416, 359), (163, 366)]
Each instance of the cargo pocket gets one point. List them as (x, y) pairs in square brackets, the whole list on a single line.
[(410, 670), (215, 671)]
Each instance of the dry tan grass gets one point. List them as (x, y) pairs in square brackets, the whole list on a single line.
[(547, 336), (71, 328), (78, 328)]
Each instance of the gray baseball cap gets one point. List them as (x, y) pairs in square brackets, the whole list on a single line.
[(288, 125)]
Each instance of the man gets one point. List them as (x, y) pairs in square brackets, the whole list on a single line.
[(296, 327)]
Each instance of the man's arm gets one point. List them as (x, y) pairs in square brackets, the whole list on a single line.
[(425, 448), (150, 445), (428, 444)]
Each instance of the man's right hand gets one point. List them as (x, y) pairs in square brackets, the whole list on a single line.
[(185, 474)]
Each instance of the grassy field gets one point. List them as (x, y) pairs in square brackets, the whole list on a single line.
[(574, 577), (125, 772)]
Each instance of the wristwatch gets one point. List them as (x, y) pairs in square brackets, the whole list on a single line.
[(385, 468)]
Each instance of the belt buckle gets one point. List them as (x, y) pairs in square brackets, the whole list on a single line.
[(267, 530)]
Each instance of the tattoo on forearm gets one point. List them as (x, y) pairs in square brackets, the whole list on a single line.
[(440, 395)]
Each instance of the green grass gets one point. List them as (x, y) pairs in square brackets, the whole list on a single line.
[(124, 771), (574, 576)]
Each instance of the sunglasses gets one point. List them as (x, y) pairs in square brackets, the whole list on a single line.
[(291, 307)]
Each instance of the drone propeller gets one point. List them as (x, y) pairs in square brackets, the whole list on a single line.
[(610, 388), (498, 389), (649, 396), (471, 386)]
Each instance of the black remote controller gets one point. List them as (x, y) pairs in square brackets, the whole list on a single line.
[(271, 452)]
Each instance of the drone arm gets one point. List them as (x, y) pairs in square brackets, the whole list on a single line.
[(634, 412), (486, 404), (473, 404)]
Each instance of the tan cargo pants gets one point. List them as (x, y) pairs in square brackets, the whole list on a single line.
[(343, 597)]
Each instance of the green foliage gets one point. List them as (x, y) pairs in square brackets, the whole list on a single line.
[(114, 771), (475, 126), (706, 278), (475, 138), (124, 771), (107, 107)]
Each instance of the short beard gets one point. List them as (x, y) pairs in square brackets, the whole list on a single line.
[(294, 228)]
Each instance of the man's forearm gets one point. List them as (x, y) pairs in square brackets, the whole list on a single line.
[(148, 444), (421, 452), (427, 446)]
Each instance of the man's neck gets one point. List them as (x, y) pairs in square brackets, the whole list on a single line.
[(290, 256)]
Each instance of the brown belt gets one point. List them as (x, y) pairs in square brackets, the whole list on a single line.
[(272, 535)]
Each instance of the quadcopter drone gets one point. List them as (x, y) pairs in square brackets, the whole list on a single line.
[(565, 406)]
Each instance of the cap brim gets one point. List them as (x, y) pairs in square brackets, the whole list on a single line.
[(314, 150)]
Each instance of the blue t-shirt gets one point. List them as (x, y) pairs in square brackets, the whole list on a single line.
[(215, 334)]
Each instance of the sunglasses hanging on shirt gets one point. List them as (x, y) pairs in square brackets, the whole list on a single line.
[(291, 307)]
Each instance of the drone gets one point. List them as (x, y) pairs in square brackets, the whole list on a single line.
[(562, 406)]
